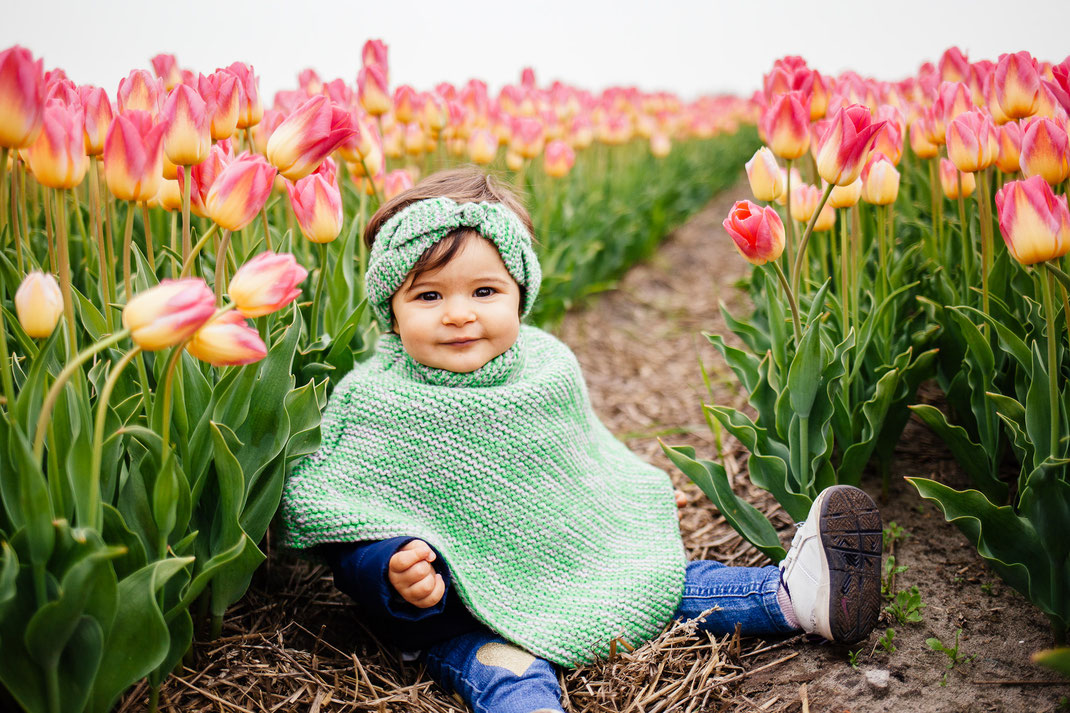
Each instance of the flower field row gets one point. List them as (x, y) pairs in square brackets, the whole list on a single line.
[(877, 268), (181, 284)]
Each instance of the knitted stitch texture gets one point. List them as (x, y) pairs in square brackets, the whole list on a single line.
[(558, 537), (408, 234)]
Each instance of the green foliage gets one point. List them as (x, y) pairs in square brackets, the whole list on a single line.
[(892, 534), (951, 652), (885, 642), (906, 606), (891, 569)]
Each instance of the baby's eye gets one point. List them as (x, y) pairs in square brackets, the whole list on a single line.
[(427, 296), (485, 291)]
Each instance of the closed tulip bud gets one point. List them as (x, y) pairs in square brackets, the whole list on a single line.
[(262, 132), (972, 144), (880, 181), (991, 101), (57, 157), (757, 232), (310, 81), (786, 125), (1010, 147), (660, 144), (133, 156), (227, 340), (954, 67), (528, 137), (240, 191), (38, 304), (1017, 84), (166, 68), (406, 103), (98, 115), (317, 203), (845, 145), (250, 108), (434, 114), (796, 183), (188, 135), (309, 135), (168, 313), (949, 181), (414, 140), (804, 200), (889, 140), (168, 196), (1035, 223), (222, 100), (581, 132), (22, 97), (919, 140), (140, 91), (266, 283), (845, 196), (826, 219), (558, 159), (396, 183), (1045, 151), (374, 53), (482, 146), (373, 90), (819, 96), (765, 176)]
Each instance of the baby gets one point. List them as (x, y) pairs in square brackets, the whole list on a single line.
[(468, 498)]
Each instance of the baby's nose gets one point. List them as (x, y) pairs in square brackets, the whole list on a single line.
[(458, 311)]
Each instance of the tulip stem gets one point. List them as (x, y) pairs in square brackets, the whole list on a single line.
[(320, 279), (4, 152), (789, 223), (97, 225), (220, 265), (47, 199), (796, 323), (1047, 285), (13, 212), (65, 271), (986, 243), (5, 358), (845, 289), (128, 233), (44, 418), (150, 253), (187, 185), (92, 515), (175, 267), (967, 248), (192, 257), (797, 269)]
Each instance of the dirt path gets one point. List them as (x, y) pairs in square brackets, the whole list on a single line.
[(639, 346)]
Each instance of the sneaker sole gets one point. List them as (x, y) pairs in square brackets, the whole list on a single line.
[(851, 538)]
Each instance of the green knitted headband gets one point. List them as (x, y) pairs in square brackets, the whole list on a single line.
[(408, 234)]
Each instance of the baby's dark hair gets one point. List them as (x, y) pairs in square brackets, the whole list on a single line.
[(467, 184)]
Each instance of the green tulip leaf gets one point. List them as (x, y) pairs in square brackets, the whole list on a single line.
[(1057, 660), (971, 456)]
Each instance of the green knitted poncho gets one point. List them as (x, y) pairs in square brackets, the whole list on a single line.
[(558, 537)]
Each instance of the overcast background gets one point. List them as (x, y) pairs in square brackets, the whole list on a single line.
[(687, 47)]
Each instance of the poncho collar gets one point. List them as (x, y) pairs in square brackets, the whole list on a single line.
[(502, 369)]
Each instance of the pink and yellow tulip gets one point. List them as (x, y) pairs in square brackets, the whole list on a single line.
[(1010, 147), (300, 143), (227, 340), (133, 156), (317, 203), (98, 116), (373, 90), (396, 182), (266, 284), (558, 159), (57, 157), (1045, 151), (972, 143), (757, 232), (1016, 82), (140, 91), (187, 136), (1035, 223), (949, 181), (482, 146), (845, 145), (764, 175), (250, 108), (240, 191), (785, 125), (222, 99), (880, 181), (168, 313), (22, 97)]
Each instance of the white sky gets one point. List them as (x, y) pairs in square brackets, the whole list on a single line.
[(687, 46)]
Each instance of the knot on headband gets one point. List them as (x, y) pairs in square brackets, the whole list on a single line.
[(409, 233)]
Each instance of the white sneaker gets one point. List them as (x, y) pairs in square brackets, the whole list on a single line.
[(832, 572)]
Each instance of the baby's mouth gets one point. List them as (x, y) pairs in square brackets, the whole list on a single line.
[(461, 342)]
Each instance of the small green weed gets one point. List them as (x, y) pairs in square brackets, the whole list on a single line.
[(906, 606), (952, 653), (888, 578), (853, 658), (885, 642), (987, 588), (892, 534)]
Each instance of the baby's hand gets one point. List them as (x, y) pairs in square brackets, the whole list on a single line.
[(412, 575)]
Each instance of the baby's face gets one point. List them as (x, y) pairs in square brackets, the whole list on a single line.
[(461, 315)]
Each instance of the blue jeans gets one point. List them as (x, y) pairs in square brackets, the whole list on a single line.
[(494, 676)]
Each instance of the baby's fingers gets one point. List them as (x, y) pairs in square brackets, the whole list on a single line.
[(410, 554), (429, 599)]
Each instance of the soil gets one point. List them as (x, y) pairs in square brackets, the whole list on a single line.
[(295, 643)]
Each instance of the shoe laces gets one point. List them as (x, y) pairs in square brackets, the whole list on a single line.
[(796, 543)]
